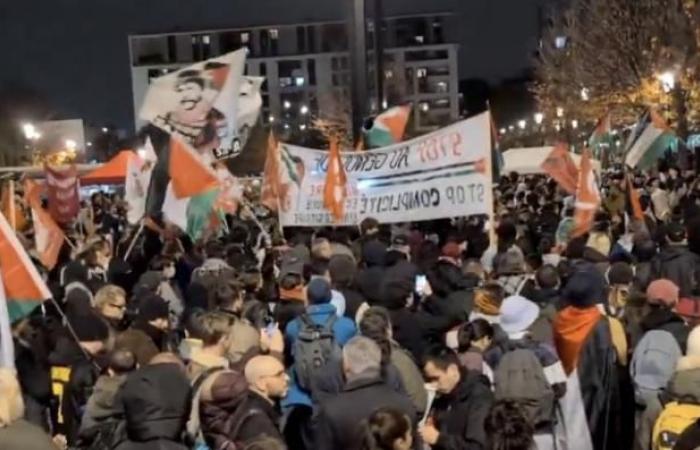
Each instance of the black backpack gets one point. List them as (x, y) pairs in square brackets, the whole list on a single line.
[(314, 347)]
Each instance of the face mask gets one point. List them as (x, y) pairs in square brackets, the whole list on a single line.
[(169, 272)]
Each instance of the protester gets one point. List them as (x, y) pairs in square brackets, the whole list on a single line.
[(508, 427), (457, 417), (15, 432), (340, 417), (110, 303), (148, 335), (387, 429), (474, 338)]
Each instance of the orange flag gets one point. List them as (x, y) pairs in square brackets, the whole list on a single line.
[(335, 189), (587, 197), (633, 200), (24, 288), (48, 236), (270, 190), (189, 174), (560, 166)]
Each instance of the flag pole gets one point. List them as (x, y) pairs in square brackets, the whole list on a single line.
[(133, 241)]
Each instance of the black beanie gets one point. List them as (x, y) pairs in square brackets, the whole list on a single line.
[(89, 327), (153, 307)]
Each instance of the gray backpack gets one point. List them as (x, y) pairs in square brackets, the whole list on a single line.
[(520, 377), (653, 364), (314, 347)]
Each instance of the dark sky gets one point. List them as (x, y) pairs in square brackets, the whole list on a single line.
[(75, 52)]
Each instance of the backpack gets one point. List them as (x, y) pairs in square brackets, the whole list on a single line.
[(520, 377), (314, 347), (653, 363), (194, 424), (105, 437), (672, 422)]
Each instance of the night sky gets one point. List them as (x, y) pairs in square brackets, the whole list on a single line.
[(75, 52)]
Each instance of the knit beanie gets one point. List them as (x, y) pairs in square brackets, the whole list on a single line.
[(585, 288), (342, 269), (662, 292), (88, 327), (620, 273), (153, 307)]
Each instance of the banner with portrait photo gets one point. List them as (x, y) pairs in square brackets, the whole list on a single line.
[(440, 175), (199, 105)]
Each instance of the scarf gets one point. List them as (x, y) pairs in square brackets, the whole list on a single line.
[(571, 328), (295, 294)]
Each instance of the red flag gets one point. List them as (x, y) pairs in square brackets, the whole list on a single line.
[(62, 187), (48, 236), (271, 187), (587, 197), (189, 175), (635, 206), (335, 189), (560, 166)]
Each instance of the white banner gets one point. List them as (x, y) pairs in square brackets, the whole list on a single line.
[(440, 175), (199, 103)]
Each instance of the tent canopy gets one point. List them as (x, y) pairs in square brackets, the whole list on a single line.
[(111, 172), (527, 161)]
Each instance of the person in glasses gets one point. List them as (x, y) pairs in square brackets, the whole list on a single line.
[(110, 304)]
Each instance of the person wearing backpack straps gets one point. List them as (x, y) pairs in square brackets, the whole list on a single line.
[(530, 372), (315, 338), (662, 298), (584, 343), (684, 385)]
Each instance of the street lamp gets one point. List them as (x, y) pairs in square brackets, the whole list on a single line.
[(574, 124), (502, 131), (584, 94), (71, 144), (29, 131), (667, 80), (560, 111), (539, 117), (287, 104), (522, 124), (105, 129), (304, 110)]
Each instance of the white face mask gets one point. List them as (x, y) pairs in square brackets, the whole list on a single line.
[(169, 272)]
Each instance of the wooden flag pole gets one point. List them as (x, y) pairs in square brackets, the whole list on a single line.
[(133, 241)]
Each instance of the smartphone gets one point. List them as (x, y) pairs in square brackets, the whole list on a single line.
[(421, 282)]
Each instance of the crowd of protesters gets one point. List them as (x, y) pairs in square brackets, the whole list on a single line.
[(383, 336)]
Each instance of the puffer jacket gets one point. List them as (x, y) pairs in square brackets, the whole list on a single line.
[(101, 408), (156, 401)]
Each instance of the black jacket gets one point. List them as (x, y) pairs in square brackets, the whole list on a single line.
[(678, 264), (353, 300), (34, 377), (156, 401), (78, 388), (259, 418), (660, 318), (339, 418), (459, 416), (417, 330)]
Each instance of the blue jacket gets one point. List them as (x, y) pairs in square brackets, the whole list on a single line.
[(343, 330)]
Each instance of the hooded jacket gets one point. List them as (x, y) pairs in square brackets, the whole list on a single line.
[(156, 402), (102, 406), (369, 279), (678, 264), (660, 318)]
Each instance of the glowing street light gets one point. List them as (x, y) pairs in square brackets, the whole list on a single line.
[(585, 94), (105, 129), (667, 80), (522, 124), (539, 117), (71, 144), (574, 124), (560, 111), (304, 110), (502, 131), (287, 104)]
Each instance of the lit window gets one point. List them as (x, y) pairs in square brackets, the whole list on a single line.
[(422, 73), (388, 74), (206, 39), (560, 42), (420, 39), (302, 127), (274, 33), (304, 109), (286, 126), (425, 107), (245, 38), (299, 81), (287, 104), (271, 119)]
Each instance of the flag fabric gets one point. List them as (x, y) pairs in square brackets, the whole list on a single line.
[(62, 188), (497, 161), (48, 236), (560, 166), (199, 105), (587, 197), (634, 206), (602, 134), (270, 190), (138, 177), (175, 209), (189, 175), (13, 212), (388, 127), (230, 191), (335, 188), (149, 152), (648, 141), (249, 105), (360, 144), (24, 288), (7, 346), (203, 219)]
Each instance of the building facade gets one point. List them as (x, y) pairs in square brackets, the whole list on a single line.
[(307, 67)]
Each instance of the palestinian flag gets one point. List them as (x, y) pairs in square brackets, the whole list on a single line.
[(587, 197), (388, 127), (648, 141), (560, 166), (601, 139), (24, 287)]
